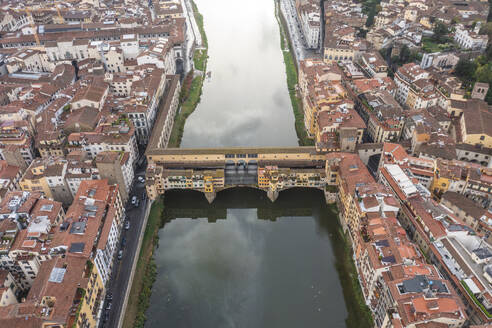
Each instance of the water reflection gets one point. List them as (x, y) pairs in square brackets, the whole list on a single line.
[(245, 102), (245, 262)]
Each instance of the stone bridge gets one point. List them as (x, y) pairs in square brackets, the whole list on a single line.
[(211, 170)]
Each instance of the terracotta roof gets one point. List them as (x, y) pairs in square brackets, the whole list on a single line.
[(464, 203)]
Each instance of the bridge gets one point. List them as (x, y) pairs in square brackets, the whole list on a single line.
[(210, 170)]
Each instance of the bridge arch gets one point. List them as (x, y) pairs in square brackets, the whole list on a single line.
[(271, 194)]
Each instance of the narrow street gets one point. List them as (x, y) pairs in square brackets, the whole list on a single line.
[(193, 37), (119, 282), (295, 32), (120, 278)]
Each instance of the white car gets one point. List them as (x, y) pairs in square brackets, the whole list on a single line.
[(141, 179), (134, 200)]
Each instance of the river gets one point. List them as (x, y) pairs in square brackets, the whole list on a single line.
[(243, 261), (245, 102)]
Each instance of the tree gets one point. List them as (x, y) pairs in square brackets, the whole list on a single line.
[(488, 97), (488, 52), (465, 70), (370, 17), (486, 29), (489, 17), (440, 31), (404, 54), (483, 73)]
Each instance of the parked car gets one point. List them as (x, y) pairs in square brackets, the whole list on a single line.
[(109, 296), (141, 179), (120, 254), (108, 306), (134, 200), (127, 225), (123, 242), (137, 202), (106, 316)]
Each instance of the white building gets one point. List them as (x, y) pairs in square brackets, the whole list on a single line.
[(405, 77), (160, 55), (470, 39), (309, 15)]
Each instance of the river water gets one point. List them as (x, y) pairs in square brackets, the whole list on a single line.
[(243, 261), (245, 102)]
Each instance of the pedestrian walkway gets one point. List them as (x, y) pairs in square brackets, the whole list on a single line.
[(190, 17)]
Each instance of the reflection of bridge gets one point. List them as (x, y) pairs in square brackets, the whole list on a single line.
[(187, 204), (212, 170), (214, 214)]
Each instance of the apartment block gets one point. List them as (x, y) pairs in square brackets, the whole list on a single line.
[(47, 175)]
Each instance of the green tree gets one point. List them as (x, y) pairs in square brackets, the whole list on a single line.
[(404, 54), (465, 70), (489, 17), (483, 73), (370, 17), (440, 32), (488, 52), (488, 97), (486, 29)]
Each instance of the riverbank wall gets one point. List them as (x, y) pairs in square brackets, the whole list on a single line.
[(191, 91)]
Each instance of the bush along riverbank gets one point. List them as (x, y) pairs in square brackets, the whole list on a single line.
[(291, 72), (191, 90), (189, 99), (145, 272)]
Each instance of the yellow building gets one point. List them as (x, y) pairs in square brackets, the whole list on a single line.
[(263, 181), (352, 174), (449, 176), (93, 297), (476, 124), (49, 142), (169, 10), (269, 178), (34, 180), (209, 184), (319, 97), (336, 52), (68, 292), (319, 84), (48, 176), (277, 179), (425, 21), (422, 94)]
